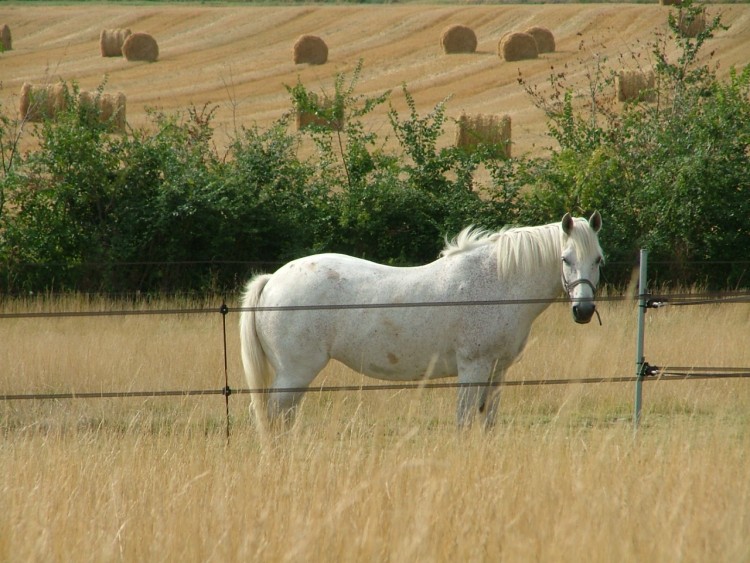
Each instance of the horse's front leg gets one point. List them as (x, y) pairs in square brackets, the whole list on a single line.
[(475, 394)]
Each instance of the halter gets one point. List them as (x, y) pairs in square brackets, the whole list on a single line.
[(580, 281)]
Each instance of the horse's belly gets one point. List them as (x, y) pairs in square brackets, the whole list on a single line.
[(399, 365), (397, 344)]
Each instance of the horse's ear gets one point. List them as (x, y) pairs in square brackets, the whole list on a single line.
[(567, 224), (596, 221)]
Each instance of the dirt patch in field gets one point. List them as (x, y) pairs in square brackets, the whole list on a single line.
[(238, 58)]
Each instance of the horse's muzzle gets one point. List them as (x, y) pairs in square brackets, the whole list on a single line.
[(582, 312)]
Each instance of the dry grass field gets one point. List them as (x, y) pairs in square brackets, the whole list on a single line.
[(239, 57), (377, 476)]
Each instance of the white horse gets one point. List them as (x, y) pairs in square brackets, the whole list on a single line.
[(293, 322)]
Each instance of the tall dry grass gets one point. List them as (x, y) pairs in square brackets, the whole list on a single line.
[(371, 475)]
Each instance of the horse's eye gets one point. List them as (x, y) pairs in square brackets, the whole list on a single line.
[(566, 261), (599, 261)]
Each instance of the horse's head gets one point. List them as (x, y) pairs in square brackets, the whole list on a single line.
[(581, 259)]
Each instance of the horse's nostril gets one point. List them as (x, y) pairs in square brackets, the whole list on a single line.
[(583, 312)]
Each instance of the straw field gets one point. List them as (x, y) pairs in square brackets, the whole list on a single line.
[(377, 476), (239, 57)]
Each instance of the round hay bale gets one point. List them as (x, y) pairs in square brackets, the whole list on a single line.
[(113, 110), (6, 43), (690, 25), (24, 103), (492, 131), (517, 46), (310, 49), (458, 39), (634, 85), (545, 41), (140, 47), (109, 108), (87, 98), (111, 41), (317, 115), (42, 102)]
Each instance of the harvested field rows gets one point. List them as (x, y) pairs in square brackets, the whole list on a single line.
[(240, 58)]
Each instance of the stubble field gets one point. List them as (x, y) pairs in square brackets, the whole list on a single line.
[(239, 59)]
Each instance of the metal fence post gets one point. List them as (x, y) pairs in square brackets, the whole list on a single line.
[(640, 359)]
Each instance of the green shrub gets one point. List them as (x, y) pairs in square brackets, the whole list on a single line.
[(278, 205), (62, 199), (392, 207), (669, 176)]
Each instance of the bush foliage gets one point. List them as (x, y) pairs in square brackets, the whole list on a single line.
[(669, 175), (160, 209)]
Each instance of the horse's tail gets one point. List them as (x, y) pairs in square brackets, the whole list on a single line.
[(258, 372)]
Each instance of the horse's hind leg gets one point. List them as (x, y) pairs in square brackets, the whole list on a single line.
[(290, 386), (282, 404)]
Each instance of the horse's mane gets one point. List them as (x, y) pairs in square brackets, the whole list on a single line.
[(524, 249)]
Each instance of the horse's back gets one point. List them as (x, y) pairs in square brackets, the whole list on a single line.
[(330, 279), (384, 338)]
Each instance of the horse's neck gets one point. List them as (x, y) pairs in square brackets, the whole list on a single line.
[(541, 282), (490, 282)]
